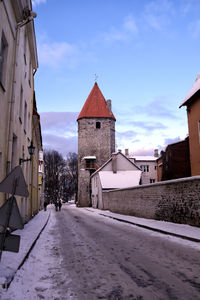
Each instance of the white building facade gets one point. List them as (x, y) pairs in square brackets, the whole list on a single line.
[(118, 172), (148, 165)]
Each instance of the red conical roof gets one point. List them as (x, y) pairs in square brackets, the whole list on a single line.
[(95, 106)]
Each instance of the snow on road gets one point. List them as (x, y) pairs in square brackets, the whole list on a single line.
[(54, 267)]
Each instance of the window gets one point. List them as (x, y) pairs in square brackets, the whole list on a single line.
[(90, 164), (25, 45), (155, 167), (14, 152), (28, 125), (3, 58), (145, 168), (29, 74), (40, 166), (21, 105), (152, 180), (25, 117), (98, 125)]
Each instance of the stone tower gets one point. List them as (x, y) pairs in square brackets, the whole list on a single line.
[(96, 140)]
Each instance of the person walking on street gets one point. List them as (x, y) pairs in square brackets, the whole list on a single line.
[(56, 205), (59, 204), (45, 205)]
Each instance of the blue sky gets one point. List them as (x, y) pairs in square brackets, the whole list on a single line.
[(146, 56)]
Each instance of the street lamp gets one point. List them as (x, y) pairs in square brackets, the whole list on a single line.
[(31, 150)]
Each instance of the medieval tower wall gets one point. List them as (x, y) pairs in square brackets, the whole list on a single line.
[(96, 140)]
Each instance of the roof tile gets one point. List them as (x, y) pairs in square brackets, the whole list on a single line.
[(95, 106)]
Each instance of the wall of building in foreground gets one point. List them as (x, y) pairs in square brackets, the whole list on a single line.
[(174, 201)]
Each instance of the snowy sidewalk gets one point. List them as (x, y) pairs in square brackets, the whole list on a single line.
[(10, 262)]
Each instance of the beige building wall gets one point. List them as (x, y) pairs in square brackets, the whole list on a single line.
[(193, 114), (37, 141), (6, 34), (149, 169), (96, 192), (17, 94)]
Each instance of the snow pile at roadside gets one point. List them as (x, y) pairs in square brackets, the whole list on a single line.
[(10, 261), (180, 229)]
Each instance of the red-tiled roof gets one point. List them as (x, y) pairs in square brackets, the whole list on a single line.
[(95, 105)]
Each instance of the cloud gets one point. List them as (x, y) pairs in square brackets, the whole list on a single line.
[(125, 32), (156, 108), (61, 144), (58, 54), (188, 6), (148, 126), (169, 141), (157, 13), (37, 2), (115, 35), (126, 134), (194, 29), (143, 152), (59, 131), (130, 24), (59, 121)]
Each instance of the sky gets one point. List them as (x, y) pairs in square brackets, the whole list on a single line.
[(145, 55)]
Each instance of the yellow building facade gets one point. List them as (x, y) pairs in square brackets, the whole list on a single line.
[(192, 102)]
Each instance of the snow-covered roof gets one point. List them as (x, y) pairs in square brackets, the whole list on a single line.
[(89, 157), (121, 179), (110, 159), (144, 158), (194, 89)]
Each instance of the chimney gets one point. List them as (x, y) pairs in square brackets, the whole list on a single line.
[(156, 153), (119, 150), (126, 153), (109, 105), (114, 163)]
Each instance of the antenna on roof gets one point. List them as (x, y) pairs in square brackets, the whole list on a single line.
[(96, 77)]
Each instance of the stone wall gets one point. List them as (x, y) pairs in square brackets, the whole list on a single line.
[(99, 142), (174, 201), (92, 141), (84, 188)]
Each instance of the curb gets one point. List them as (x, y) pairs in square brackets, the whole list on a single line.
[(7, 283), (154, 229)]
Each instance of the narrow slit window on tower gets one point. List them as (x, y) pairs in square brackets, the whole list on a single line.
[(98, 125)]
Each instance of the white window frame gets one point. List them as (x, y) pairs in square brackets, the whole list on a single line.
[(145, 168)]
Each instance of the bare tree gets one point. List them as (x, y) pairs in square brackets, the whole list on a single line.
[(61, 176), (71, 176), (54, 164)]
